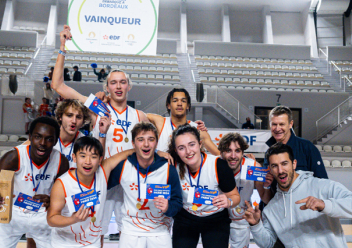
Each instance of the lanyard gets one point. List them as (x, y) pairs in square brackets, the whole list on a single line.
[(46, 167), (69, 155), (95, 181), (125, 130), (145, 180), (172, 125), (200, 171)]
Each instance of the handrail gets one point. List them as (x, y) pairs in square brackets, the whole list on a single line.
[(333, 109), (35, 55), (321, 50), (338, 69), (348, 80)]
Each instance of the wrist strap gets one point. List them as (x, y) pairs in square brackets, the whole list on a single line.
[(231, 202), (266, 187), (102, 135), (62, 53)]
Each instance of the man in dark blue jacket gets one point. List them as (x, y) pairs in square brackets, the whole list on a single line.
[(307, 155), (146, 222)]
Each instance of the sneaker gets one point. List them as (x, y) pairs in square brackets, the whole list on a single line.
[(115, 236)]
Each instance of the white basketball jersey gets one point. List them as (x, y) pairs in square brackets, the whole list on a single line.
[(148, 220), (67, 149), (23, 181), (115, 137), (245, 188), (208, 180), (166, 132), (86, 232)]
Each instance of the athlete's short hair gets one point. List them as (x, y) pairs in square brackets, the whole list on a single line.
[(63, 106), (171, 94), (88, 143), (116, 70), (281, 110), (226, 140), (144, 127), (182, 129), (48, 121), (279, 148)]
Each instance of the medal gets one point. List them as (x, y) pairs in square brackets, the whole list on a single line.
[(117, 117), (35, 188), (126, 140), (93, 219), (194, 207), (238, 209), (138, 205), (68, 157)]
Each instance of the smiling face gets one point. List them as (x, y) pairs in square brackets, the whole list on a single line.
[(281, 128), (87, 160), (71, 120), (283, 170), (145, 144), (42, 141), (118, 86), (233, 155), (188, 149), (178, 105)]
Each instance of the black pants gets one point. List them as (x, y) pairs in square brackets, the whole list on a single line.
[(186, 233)]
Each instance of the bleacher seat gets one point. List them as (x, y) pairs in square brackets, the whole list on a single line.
[(337, 148), (319, 147), (13, 138), (326, 163), (347, 149), (346, 163), (4, 137), (336, 163)]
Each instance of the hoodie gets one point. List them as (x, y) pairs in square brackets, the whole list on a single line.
[(283, 218)]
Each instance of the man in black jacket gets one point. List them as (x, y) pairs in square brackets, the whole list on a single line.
[(77, 75)]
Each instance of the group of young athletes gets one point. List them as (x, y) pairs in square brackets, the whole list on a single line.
[(128, 150)]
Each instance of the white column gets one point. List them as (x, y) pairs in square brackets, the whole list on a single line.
[(52, 26), (226, 32), (183, 27), (268, 37), (9, 16)]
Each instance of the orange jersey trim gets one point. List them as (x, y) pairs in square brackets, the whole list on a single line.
[(19, 159), (58, 169), (74, 178), (205, 158), (216, 169), (68, 142), (104, 173), (38, 166), (117, 110), (139, 119), (162, 127), (62, 186)]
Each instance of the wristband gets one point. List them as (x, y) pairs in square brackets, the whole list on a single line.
[(231, 202), (62, 53), (102, 135), (266, 187)]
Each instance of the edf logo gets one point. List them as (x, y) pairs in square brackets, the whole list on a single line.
[(114, 37), (42, 177), (201, 187), (250, 140)]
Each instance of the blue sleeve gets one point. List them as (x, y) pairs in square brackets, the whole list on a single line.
[(316, 162), (115, 174), (175, 202)]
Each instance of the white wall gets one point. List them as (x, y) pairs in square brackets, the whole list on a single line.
[(246, 26), (169, 23), (204, 25), (32, 14), (287, 28)]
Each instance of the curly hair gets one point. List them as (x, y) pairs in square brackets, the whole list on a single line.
[(65, 104), (183, 129), (225, 142)]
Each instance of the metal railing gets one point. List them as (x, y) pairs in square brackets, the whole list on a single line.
[(232, 106), (157, 106), (42, 45), (334, 118), (338, 69), (346, 80)]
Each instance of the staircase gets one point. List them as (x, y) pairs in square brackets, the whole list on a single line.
[(185, 69), (329, 30), (344, 126), (40, 62)]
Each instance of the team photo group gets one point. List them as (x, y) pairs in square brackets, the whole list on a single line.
[(164, 179)]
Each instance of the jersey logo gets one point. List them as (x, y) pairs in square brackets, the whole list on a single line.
[(134, 186), (218, 139), (28, 177), (42, 177), (185, 186), (121, 123)]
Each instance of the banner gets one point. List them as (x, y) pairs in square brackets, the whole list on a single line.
[(255, 138), (113, 26)]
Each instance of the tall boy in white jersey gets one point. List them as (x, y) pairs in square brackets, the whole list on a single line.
[(146, 223), (36, 167), (81, 228), (123, 117), (178, 103), (232, 147)]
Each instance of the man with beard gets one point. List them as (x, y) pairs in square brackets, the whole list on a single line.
[(305, 211)]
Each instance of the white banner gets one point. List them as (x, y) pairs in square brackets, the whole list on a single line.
[(114, 26), (255, 138)]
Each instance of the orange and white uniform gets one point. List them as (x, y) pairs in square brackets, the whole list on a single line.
[(84, 233)]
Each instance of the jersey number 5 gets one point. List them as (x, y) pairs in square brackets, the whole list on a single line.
[(118, 137)]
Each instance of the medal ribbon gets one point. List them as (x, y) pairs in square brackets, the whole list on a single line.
[(125, 130), (95, 181), (200, 171), (172, 125), (145, 180), (69, 155), (46, 167)]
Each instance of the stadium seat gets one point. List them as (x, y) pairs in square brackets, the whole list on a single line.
[(336, 163), (13, 138), (327, 148), (319, 147), (337, 149), (346, 163), (3, 137), (347, 149), (326, 163)]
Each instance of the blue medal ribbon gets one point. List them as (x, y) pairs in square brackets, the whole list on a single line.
[(200, 171), (125, 130), (145, 180), (69, 155), (46, 167), (95, 181)]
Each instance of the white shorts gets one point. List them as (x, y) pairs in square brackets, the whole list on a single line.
[(34, 224), (239, 237), (114, 201), (132, 241), (26, 119)]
